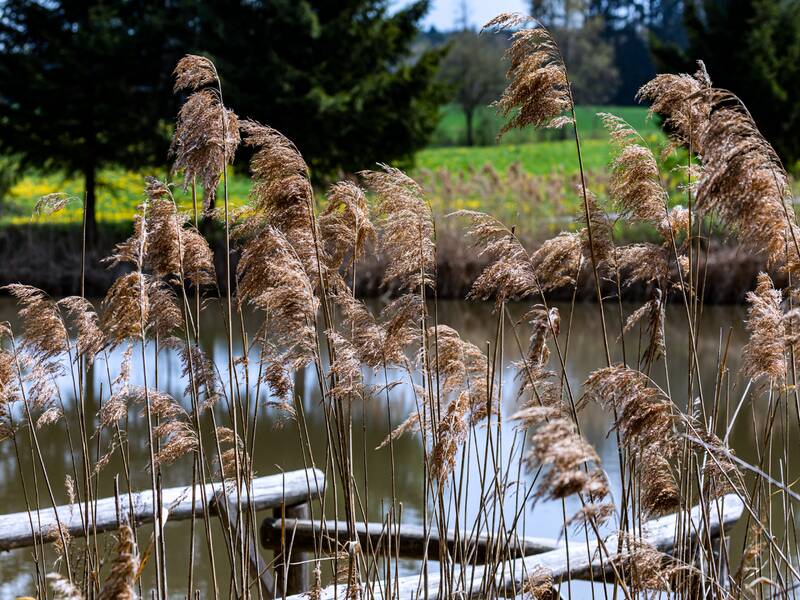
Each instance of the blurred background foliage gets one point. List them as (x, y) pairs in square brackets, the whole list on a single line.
[(86, 102)]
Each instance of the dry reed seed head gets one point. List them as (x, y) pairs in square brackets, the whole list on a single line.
[(385, 341), (412, 424), (69, 487), (52, 203), (282, 412), (538, 92), (205, 141), (558, 261), (659, 491), (164, 315), (645, 262), (119, 583), (720, 474), (649, 569), (545, 323), (63, 588), (678, 220), (179, 439), (282, 196), (654, 310), (744, 183), (271, 278), (52, 415), (197, 368), (595, 513), (235, 453), (345, 368), (539, 585), (41, 382), (126, 308), (43, 327), (510, 274), (683, 101), (117, 405), (644, 414), (763, 355), (556, 444), (133, 249), (602, 248), (461, 368), (451, 433), (635, 184), (345, 226), (164, 253), (531, 370), (193, 72), (59, 537), (83, 320), (406, 225)]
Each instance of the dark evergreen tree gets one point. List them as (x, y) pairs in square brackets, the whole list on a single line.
[(336, 76), (89, 84), (84, 85), (751, 47)]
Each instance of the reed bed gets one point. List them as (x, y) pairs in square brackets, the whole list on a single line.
[(296, 271)]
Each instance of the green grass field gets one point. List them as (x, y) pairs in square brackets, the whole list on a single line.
[(451, 130), (119, 191), (538, 158)]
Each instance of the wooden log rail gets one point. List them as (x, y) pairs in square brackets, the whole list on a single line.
[(411, 538), (287, 489), (508, 576)]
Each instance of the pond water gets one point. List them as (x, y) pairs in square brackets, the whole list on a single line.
[(278, 449)]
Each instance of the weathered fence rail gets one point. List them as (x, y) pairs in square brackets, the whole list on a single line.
[(584, 559), (410, 539), (17, 530)]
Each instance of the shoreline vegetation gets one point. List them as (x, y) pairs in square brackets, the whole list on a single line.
[(42, 255), (300, 258)]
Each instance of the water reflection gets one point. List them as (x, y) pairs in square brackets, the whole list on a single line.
[(278, 448)]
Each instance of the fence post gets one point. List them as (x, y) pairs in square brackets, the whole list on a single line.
[(293, 578)]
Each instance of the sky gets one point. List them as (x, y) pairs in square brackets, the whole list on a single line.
[(444, 14)]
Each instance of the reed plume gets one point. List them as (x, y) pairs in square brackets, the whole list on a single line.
[(451, 434), (63, 588), (282, 197), (645, 262), (406, 227), (538, 91), (84, 320), (653, 312), (645, 421), (573, 466), (744, 183), (345, 226), (539, 585), (119, 583), (510, 274), (206, 133), (763, 355), (635, 184), (532, 368), (272, 279), (683, 101), (383, 341), (45, 333), (175, 250)]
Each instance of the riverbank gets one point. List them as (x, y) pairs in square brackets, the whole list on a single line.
[(48, 256)]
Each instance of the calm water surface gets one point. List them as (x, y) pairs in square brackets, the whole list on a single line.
[(278, 449)]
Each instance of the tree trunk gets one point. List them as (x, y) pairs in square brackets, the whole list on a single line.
[(469, 113), (90, 206)]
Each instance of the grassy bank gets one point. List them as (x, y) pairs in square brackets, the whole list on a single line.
[(119, 191), (452, 127)]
